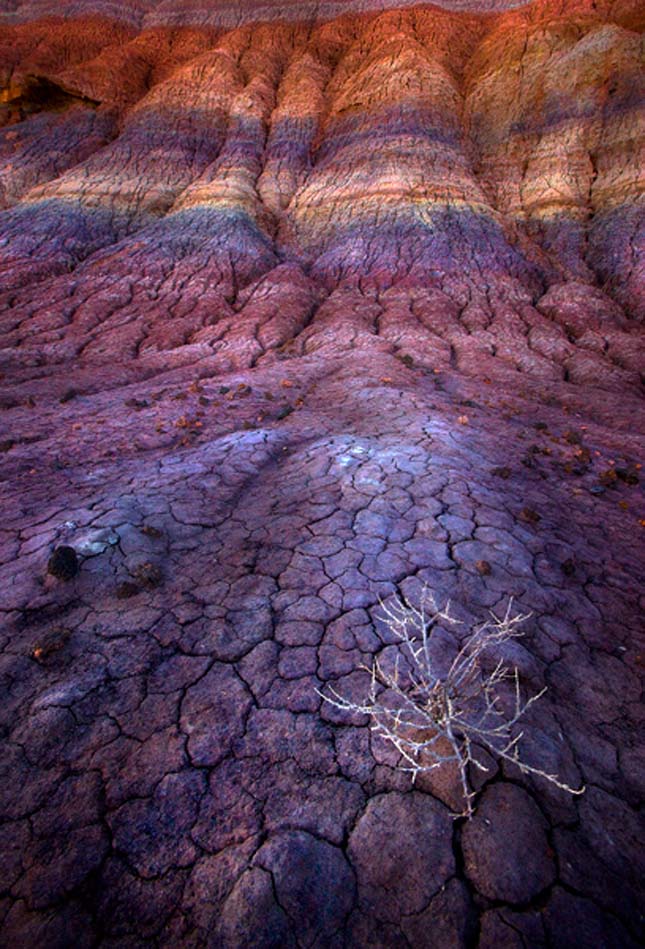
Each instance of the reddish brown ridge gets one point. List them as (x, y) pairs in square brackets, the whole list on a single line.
[(304, 306)]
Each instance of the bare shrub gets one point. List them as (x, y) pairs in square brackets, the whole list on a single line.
[(434, 718)]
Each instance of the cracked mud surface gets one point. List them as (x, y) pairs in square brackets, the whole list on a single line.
[(297, 317)]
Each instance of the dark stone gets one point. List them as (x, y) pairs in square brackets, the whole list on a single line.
[(608, 478), (127, 589), (50, 643), (148, 575), (628, 476), (529, 516), (63, 563), (68, 395)]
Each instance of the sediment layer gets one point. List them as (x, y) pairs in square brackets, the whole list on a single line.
[(302, 307)]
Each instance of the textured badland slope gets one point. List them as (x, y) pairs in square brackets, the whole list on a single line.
[(303, 305)]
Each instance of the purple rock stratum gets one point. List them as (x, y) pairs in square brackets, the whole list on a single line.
[(304, 306)]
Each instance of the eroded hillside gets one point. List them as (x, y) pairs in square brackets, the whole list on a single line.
[(304, 306)]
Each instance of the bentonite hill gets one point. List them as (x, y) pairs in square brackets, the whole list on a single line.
[(305, 306)]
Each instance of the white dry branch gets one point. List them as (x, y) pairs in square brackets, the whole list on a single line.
[(433, 719)]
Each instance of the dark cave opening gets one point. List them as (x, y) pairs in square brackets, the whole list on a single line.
[(39, 94)]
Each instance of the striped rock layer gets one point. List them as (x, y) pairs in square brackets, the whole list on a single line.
[(304, 305)]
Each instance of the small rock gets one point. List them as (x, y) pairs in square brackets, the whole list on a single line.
[(148, 574), (68, 395), (151, 531), (627, 476), (94, 541), (50, 643), (597, 489), (568, 567), (608, 478), (127, 589), (63, 563), (483, 567), (529, 516), (501, 472)]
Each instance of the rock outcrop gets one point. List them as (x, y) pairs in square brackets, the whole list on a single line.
[(305, 305)]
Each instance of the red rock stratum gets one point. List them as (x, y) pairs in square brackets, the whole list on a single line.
[(304, 305)]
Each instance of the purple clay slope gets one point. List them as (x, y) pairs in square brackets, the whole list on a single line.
[(303, 306)]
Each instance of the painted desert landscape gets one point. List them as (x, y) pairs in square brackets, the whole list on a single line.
[(321, 347)]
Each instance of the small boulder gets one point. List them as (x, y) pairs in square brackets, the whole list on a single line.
[(63, 563)]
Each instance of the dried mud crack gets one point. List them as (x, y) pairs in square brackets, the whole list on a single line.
[(300, 310)]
